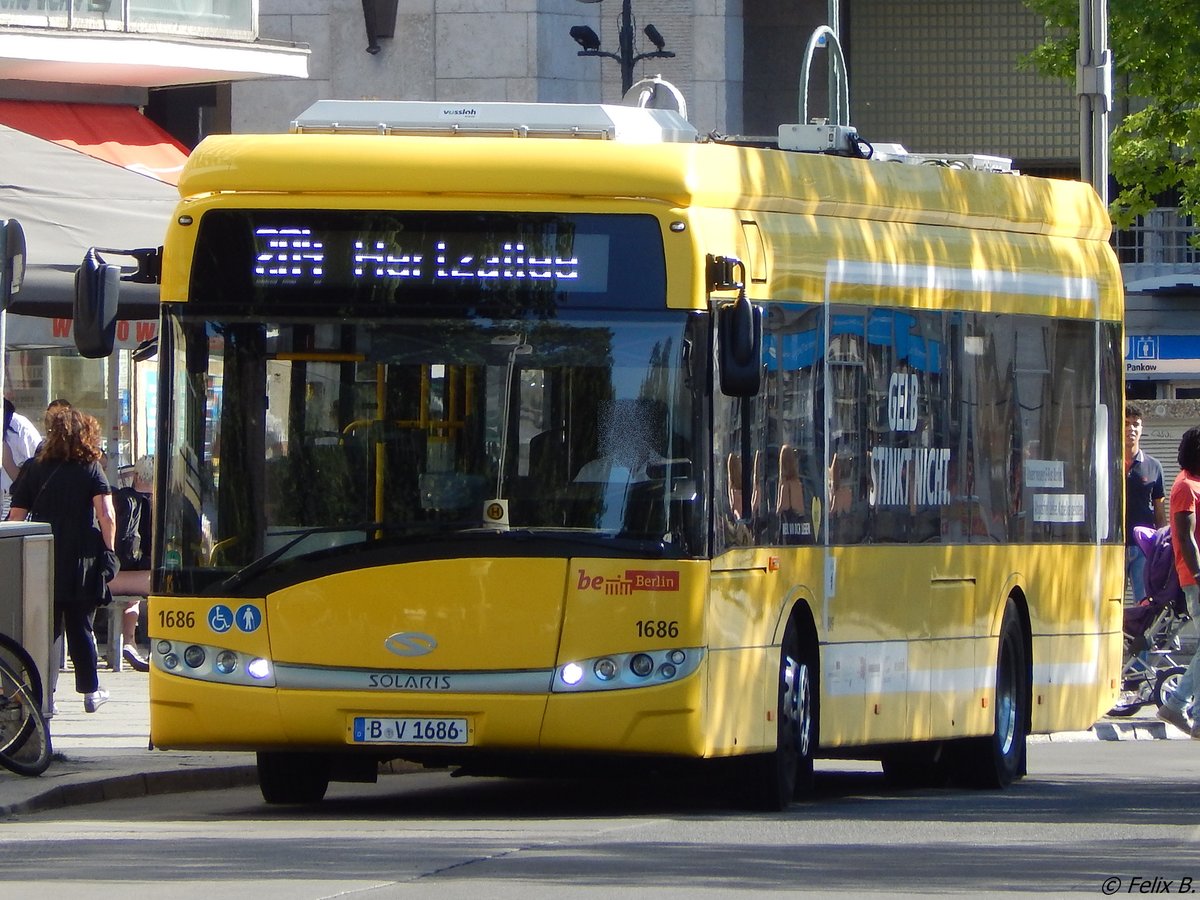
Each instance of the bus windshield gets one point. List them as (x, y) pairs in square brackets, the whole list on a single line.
[(302, 440)]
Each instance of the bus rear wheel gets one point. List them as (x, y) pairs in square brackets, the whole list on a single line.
[(998, 760), (293, 777), (775, 779)]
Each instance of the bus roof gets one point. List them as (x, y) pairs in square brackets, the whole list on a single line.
[(704, 174)]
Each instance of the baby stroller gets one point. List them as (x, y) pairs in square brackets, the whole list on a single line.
[(1160, 637)]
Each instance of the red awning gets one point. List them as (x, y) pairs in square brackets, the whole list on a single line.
[(115, 134)]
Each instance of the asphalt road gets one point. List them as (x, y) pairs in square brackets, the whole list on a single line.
[(1087, 814)]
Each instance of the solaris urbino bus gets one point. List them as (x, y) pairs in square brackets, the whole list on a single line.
[(500, 436)]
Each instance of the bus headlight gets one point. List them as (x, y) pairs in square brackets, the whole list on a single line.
[(204, 662), (641, 665), (194, 656), (627, 671), (572, 673), (259, 668), (606, 669)]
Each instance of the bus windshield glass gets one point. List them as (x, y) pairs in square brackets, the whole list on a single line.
[(304, 442)]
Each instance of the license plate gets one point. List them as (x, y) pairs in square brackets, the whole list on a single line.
[(409, 730)]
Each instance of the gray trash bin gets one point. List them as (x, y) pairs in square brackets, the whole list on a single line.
[(27, 592)]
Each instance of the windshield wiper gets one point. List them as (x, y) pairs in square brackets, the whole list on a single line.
[(643, 547), (257, 566), (636, 546)]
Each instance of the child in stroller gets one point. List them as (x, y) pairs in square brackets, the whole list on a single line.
[(1157, 645)]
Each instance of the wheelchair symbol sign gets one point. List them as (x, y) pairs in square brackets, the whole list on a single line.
[(220, 618), (249, 617)]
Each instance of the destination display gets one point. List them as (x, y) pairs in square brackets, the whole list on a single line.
[(273, 258), (292, 254)]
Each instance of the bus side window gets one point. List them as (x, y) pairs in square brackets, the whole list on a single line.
[(849, 463), (739, 520), (795, 423)]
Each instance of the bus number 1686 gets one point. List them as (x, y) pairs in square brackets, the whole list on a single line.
[(657, 628), (176, 618)]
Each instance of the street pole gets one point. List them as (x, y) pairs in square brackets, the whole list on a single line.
[(625, 41), (627, 58), (1094, 87)]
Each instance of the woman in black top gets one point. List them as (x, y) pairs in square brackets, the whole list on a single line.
[(64, 486)]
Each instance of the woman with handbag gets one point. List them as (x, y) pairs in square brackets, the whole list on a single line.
[(64, 486)]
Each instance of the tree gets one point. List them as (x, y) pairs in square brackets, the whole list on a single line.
[(1155, 45)]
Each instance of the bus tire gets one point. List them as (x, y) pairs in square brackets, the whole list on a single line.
[(999, 759), (776, 778), (293, 777)]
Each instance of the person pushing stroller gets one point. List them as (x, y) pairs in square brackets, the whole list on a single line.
[(1154, 627), (1184, 505)]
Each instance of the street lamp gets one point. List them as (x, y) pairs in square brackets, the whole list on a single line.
[(586, 38)]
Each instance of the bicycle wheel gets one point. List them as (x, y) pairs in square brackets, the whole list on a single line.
[(24, 736), (22, 663)]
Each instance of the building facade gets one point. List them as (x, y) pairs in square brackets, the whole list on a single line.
[(100, 101), (935, 76)]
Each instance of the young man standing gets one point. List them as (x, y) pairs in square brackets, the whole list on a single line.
[(21, 441), (1185, 514), (1144, 498)]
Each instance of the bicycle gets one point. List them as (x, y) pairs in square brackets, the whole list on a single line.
[(24, 733)]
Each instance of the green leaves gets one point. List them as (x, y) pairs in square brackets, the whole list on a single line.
[(1155, 46)]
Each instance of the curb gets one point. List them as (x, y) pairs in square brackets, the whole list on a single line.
[(1139, 730), (142, 784), (149, 784), (1109, 730)]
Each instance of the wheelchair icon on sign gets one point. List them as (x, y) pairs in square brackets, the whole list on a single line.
[(220, 618)]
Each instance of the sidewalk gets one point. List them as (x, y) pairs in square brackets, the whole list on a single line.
[(104, 755)]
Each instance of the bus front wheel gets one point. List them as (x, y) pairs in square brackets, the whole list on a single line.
[(293, 777), (775, 779)]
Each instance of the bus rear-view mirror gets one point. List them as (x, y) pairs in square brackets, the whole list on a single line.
[(739, 332), (97, 285), (12, 260)]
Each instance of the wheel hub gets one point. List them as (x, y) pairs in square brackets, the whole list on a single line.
[(797, 705)]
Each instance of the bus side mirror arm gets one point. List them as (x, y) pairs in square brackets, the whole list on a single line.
[(739, 330), (149, 264)]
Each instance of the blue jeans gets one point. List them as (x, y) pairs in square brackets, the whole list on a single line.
[(1181, 698), (1135, 571)]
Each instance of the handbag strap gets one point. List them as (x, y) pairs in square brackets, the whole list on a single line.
[(38, 496)]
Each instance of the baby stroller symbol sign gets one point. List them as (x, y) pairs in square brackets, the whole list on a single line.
[(220, 618)]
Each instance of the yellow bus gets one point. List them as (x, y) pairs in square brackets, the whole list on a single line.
[(503, 436)]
